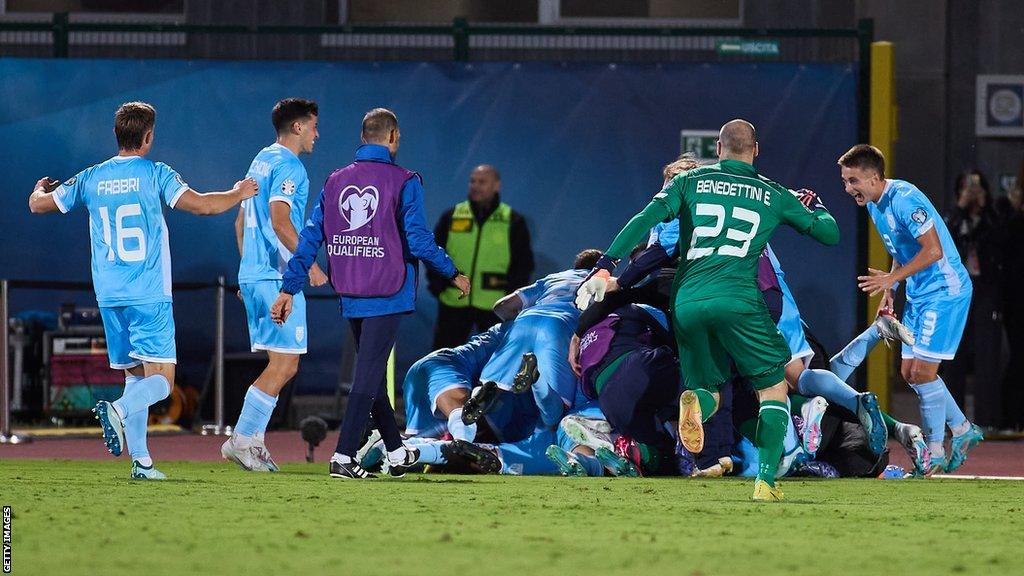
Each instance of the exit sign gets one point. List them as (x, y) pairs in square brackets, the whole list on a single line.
[(700, 143)]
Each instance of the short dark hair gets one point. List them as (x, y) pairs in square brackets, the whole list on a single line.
[(131, 122), (864, 156), (378, 123), (587, 259), (290, 110)]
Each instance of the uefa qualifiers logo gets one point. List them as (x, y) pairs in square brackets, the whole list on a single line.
[(358, 206)]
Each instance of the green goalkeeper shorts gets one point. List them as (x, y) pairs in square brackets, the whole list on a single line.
[(713, 333)]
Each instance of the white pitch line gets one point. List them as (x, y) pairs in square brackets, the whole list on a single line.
[(965, 477)]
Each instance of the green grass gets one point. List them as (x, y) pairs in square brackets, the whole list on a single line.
[(73, 517)]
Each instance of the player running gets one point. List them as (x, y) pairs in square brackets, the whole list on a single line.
[(266, 230), (131, 268), (728, 213), (938, 294)]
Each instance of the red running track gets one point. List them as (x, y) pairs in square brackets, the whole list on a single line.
[(988, 459)]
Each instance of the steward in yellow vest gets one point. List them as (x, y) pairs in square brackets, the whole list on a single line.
[(490, 243)]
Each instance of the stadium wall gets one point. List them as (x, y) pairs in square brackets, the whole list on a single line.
[(580, 147)]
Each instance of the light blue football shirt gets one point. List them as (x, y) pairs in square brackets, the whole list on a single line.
[(902, 215), (557, 289), (131, 257), (666, 234), (282, 178)]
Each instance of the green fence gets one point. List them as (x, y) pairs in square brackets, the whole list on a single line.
[(62, 37)]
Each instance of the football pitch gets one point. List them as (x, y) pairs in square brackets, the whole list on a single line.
[(87, 517)]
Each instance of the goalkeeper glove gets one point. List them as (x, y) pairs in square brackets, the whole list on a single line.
[(595, 284), (810, 199)]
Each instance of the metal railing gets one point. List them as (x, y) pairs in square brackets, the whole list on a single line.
[(62, 37), (220, 286)]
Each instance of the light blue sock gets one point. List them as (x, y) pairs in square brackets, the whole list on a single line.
[(457, 429), (591, 464), (849, 358), (135, 429), (430, 452), (266, 417), (256, 411), (792, 440), (955, 418), (141, 395), (933, 412), (829, 386)]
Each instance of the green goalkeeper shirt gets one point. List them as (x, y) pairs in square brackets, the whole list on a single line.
[(727, 213)]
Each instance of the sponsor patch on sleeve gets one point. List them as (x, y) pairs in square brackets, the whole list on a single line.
[(288, 187), (71, 181)]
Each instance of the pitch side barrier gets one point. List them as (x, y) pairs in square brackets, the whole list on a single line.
[(219, 287)]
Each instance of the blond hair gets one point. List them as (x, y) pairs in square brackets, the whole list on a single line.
[(684, 163)]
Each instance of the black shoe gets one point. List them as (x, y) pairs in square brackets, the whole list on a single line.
[(412, 456), (527, 375), (479, 460), (480, 402), (350, 470)]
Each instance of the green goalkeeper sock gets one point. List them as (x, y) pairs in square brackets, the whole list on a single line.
[(707, 403), (890, 424), (771, 431), (650, 457)]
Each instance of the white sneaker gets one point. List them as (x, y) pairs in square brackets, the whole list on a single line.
[(912, 440), (812, 412), (243, 451), (263, 454), (372, 452), (891, 329), (589, 432)]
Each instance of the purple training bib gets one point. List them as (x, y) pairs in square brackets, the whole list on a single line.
[(595, 343), (363, 242), (766, 278)]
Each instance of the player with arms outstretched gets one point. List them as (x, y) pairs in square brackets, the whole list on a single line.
[(131, 268), (727, 213), (938, 294), (266, 229)]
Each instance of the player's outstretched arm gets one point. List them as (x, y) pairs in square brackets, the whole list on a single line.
[(803, 210), (599, 281), (281, 219), (212, 203), (638, 227), (310, 240), (240, 230), (878, 281), (508, 307), (41, 200), (641, 266)]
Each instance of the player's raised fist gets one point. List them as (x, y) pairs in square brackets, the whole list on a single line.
[(248, 187), (47, 184)]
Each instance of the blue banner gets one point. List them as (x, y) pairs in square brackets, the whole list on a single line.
[(580, 148)]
